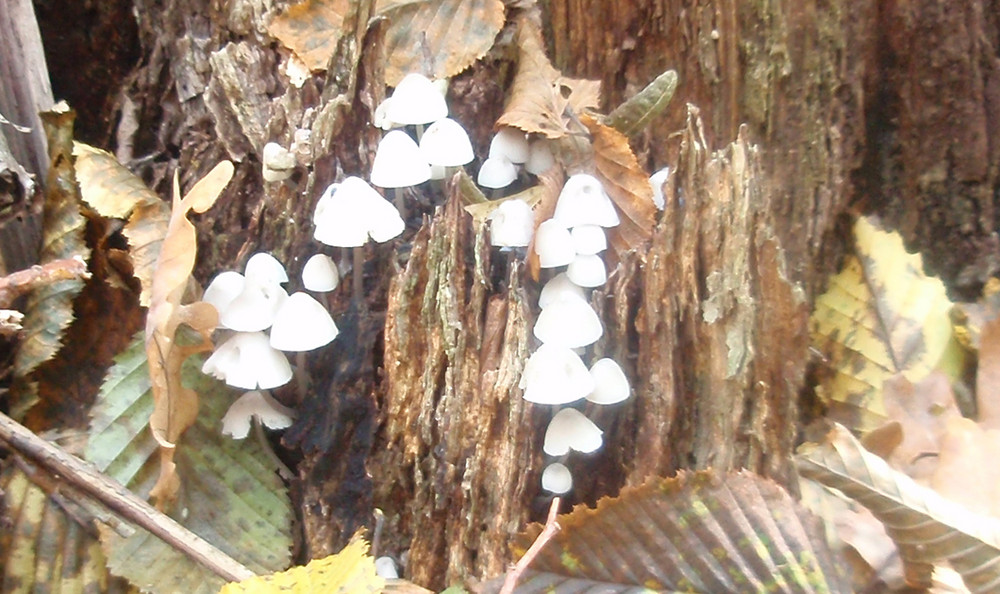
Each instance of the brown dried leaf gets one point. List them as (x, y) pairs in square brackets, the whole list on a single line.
[(625, 181), (311, 29), (541, 99), (438, 38), (175, 406), (988, 375), (967, 470)]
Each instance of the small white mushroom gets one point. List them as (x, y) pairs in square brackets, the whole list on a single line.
[(416, 100), (398, 162), (559, 287), (302, 324), (246, 360), (263, 268), (553, 244), (656, 181), (320, 274), (570, 323), (496, 173), (555, 375), (255, 405), (446, 143), (277, 162), (610, 384), (254, 308), (587, 271), (589, 239), (556, 478), (350, 212), (583, 201), (540, 157), (512, 224), (570, 429), (225, 287), (511, 144), (385, 568)]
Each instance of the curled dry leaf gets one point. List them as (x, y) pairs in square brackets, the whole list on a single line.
[(927, 528), (541, 98), (438, 38), (311, 29), (632, 116), (176, 406)]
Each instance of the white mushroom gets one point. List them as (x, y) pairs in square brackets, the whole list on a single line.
[(254, 308), (512, 224), (571, 323), (553, 244), (587, 271), (277, 162), (320, 274), (263, 268), (398, 162), (225, 287), (583, 201), (302, 324), (540, 157), (556, 478), (416, 101), (555, 375), (610, 384), (589, 239), (350, 212), (511, 144), (559, 287), (656, 181), (569, 430), (446, 143), (255, 405), (246, 360), (496, 173)]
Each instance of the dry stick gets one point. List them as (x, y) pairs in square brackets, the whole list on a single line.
[(550, 529), (112, 494)]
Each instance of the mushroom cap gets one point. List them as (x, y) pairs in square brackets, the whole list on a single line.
[(583, 201), (511, 144), (446, 143), (556, 478), (398, 162), (320, 273), (277, 163), (656, 181), (254, 308), (351, 211), (559, 287), (553, 244), (587, 271), (570, 429), (416, 101), (255, 404), (589, 239), (496, 172), (512, 224), (264, 268), (555, 375), (540, 157), (385, 568), (302, 324), (380, 119), (246, 360), (225, 287), (571, 323), (610, 384)]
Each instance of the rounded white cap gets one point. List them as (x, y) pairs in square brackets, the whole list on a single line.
[(555, 375), (302, 324), (583, 201), (399, 162), (589, 239), (277, 162), (438, 172), (320, 274), (512, 224), (571, 323), (380, 119), (610, 384), (446, 143), (254, 308), (225, 287), (260, 405), (246, 360), (587, 271), (385, 568), (558, 288), (510, 143), (569, 430), (265, 268), (540, 157), (556, 478), (656, 181), (351, 211), (553, 244), (416, 101), (496, 172)]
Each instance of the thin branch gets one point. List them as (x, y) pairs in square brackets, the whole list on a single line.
[(550, 529), (119, 499), (18, 283)]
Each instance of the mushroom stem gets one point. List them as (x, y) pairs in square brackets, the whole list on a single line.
[(357, 274), (399, 202)]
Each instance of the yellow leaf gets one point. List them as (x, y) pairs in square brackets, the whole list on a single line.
[(351, 571), (311, 29), (880, 316)]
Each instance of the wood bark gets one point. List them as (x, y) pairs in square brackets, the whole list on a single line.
[(787, 117)]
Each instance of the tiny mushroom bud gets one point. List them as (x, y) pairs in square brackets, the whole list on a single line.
[(583, 201), (556, 478), (571, 323), (559, 287), (263, 268), (553, 244), (398, 162), (587, 271), (496, 172), (446, 143), (555, 375), (255, 404), (511, 144), (302, 324), (385, 568), (416, 101), (540, 157), (569, 430), (589, 239), (610, 384), (512, 224), (277, 162), (320, 274), (246, 360), (656, 181)]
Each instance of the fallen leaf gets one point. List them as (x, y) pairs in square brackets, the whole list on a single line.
[(542, 100), (438, 38), (966, 469), (311, 29), (633, 115), (988, 375)]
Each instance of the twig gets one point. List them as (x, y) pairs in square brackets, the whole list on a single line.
[(17, 283), (550, 529), (116, 497)]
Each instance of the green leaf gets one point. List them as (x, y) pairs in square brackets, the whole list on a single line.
[(634, 114), (230, 492)]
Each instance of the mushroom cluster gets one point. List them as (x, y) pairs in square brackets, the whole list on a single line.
[(259, 320), (510, 149), (555, 374)]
